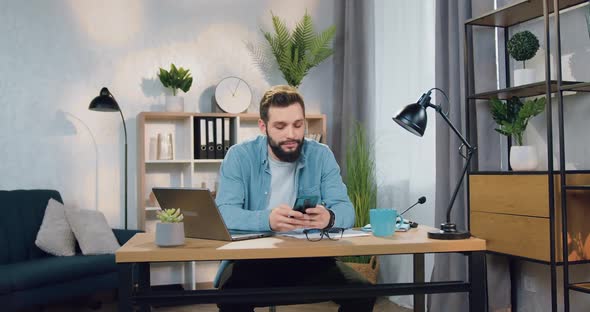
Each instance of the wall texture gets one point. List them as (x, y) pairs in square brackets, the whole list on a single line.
[(56, 55)]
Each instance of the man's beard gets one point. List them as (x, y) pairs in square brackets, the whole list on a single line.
[(283, 155)]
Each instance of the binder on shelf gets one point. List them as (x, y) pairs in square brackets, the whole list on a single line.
[(196, 138), (201, 137), (226, 135), (218, 138), (210, 138)]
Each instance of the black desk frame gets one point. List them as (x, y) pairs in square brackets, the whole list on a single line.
[(143, 296)]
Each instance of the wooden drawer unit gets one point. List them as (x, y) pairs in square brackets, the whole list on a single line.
[(511, 212)]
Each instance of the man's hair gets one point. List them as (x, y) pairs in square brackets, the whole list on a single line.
[(279, 96)]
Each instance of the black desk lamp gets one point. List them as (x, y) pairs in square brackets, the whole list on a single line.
[(413, 118), (105, 102)]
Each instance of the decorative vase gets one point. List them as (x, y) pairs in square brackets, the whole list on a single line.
[(174, 103), (524, 76), (165, 147), (523, 158), (169, 234)]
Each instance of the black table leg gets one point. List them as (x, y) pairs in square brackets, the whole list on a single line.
[(143, 283), (477, 278), (419, 305), (125, 287), (513, 284)]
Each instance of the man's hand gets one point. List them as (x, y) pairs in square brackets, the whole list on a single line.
[(319, 217), (284, 219)]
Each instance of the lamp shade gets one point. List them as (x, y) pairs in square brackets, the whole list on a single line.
[(104, 102), (412, 118)]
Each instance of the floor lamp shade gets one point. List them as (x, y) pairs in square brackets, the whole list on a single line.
[(105, 102), (414, 119)]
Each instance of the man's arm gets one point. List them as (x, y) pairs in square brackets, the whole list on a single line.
[(231, 195), (334, 192)]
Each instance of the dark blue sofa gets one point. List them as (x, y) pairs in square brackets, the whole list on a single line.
[(29, 276)]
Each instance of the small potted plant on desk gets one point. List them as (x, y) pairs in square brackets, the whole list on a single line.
[(512, 118), (176, 78), (170, 229)]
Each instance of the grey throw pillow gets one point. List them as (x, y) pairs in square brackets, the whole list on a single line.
[(92, 231), (55, 236)]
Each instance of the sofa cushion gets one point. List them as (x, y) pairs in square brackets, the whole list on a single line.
[(22, 214), (5, 280), (92, 231), (55, 235), (54, 270)]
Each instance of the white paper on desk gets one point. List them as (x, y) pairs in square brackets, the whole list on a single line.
[(347, 233)]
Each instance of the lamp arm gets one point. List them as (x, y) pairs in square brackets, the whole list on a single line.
[(470, 153), (461, 137), (125, 131)]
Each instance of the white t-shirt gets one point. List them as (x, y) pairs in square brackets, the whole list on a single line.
[(283, 187)]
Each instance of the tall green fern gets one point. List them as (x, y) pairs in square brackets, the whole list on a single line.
[(298, 52)]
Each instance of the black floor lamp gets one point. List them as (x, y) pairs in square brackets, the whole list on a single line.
[(105, 102), (413, 118)]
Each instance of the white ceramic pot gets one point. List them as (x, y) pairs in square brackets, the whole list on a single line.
[(524, 76), (169, 234), (523, 158), (174, 103)]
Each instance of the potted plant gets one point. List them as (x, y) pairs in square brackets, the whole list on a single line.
[(512, 118), (298, 52), (362, 191), (175, 79), (522, 47), (170, 229)]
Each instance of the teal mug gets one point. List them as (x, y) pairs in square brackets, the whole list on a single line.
[(384, 221)]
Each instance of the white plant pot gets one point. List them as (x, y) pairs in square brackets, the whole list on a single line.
[(523, 158), (174, 103), (524, 76), (169, 234)]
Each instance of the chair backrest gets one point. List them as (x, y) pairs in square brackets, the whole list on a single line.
[(22, 212)]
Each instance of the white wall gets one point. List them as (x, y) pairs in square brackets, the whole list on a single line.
[(56, 55), (404, 60)]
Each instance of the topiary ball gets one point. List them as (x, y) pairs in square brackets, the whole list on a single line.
[(523, 45)]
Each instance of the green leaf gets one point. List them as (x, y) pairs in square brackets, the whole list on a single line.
[(360, 174), (513, 116), (300, 51), (303, 35), (176, 78)]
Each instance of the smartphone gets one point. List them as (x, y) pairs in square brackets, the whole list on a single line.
[(304, 202)]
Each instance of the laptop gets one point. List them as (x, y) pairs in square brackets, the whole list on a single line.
[(202, 218)]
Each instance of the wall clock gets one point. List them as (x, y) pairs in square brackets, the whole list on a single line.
[(233, 95)]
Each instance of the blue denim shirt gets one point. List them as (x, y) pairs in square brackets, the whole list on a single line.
[(244, 184)]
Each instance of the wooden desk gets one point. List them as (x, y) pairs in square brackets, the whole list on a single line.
[(141, 250)]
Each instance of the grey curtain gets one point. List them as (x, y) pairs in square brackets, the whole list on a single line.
[(449, 76), (355, 95), (449, 43)]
